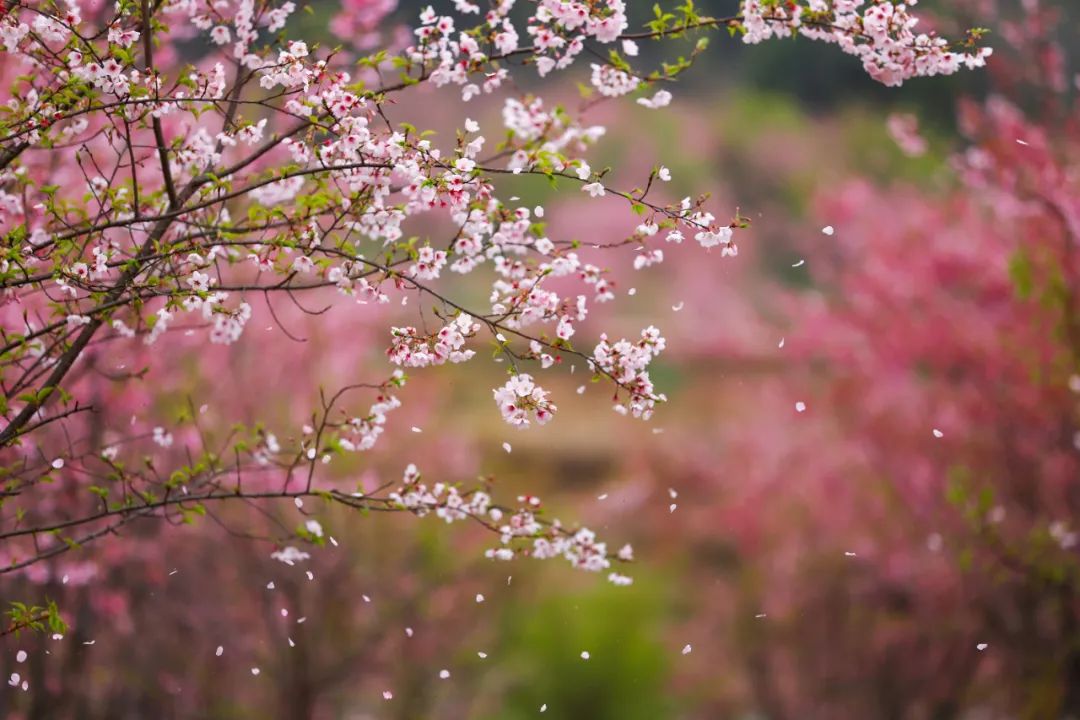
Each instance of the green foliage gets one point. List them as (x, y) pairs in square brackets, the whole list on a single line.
[(36, 618), (625, 675), (1020, 272)]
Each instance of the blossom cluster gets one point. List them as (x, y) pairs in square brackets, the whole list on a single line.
[(411, 349), (881, 33), (521, 401), (580, 548), (627, 362), (548, 539), (443, 499), (365, 431)]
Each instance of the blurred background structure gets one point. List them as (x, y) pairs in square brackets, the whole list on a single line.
[(902, 546)]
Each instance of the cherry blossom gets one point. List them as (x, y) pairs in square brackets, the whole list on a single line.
[(521, 401), (159, 212)]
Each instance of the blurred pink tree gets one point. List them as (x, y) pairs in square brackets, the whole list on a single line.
[(902, 503)]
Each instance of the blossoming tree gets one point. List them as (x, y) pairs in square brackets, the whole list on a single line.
[(150, 204)]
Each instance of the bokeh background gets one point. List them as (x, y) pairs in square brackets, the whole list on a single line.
[(905, 548)]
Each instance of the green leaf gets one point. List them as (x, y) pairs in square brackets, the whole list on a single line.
[(1020, 272)]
